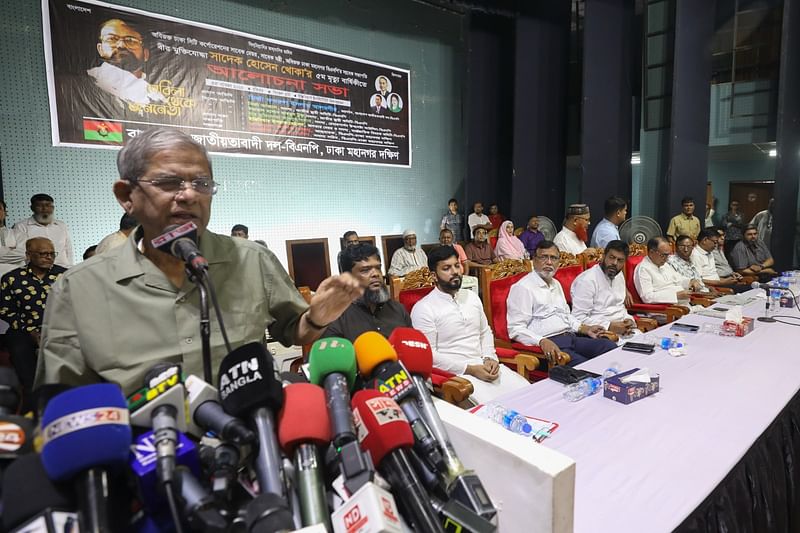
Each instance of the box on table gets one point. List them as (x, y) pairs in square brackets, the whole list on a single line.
[(738, 329), (615, 389)]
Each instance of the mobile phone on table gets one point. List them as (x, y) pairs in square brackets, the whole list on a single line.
[(686, 328), (639, 347)]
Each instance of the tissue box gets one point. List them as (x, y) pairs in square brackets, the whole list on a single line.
[(738, 329), (618, 391)]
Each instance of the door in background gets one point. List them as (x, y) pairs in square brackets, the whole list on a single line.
[(753, 196)]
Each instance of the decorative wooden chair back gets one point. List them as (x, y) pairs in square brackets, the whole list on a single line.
[(569, 268), (496, 282), (590, 257), (412, 287), (637, 250)]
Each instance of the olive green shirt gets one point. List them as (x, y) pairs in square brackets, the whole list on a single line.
[(683, 225), (113, 317)]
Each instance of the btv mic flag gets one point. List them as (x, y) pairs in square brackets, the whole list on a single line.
[(102, 130)]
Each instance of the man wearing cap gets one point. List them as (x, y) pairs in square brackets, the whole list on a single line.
[(409, 257), (573, 236)]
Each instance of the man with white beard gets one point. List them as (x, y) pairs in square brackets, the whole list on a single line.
[(374, 310), (44, 224)]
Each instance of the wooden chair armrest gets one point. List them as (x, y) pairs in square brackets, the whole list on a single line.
[(723, 290), (456, 390), (610, 335), (705, 301), (646, 324)]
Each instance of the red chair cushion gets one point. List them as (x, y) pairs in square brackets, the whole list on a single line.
[(493, 242), (565, 276), (498, 294), (439, 376), (630, 267), (408, 298)]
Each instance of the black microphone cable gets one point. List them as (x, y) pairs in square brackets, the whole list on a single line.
[(205, 279)]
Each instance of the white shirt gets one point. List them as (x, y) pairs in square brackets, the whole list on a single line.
[(568, 241), (657, 285), (459, 335), (536, 310), (598, 301), (476, 220), (56, 231), (10, 254), (404, 261), (124, 85), (704, 263), (456, 328)]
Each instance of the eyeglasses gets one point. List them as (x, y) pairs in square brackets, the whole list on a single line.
[(176, 184), (662, 255), (44, 254), (686, 246), (548, 258), (128, 41)]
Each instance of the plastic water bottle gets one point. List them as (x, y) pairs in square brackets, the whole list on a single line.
[(509, 419), (588, 386), (774, 301)]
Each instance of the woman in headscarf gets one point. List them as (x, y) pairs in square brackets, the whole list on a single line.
[(508, 246)]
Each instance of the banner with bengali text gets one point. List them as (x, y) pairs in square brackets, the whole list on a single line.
[(114, 72)]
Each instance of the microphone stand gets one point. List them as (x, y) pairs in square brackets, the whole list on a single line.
[(199, 278), (766, 317)]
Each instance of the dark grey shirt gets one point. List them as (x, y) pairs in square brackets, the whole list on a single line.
[(358, 319), (742, 255)]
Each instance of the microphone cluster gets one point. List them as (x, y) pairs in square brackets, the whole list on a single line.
[(361, 448)]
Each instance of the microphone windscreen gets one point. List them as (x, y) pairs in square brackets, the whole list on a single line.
[(28, 491), (247, 380), (329, 356), (413, 350), (372, 349), (380, 424), (85, 427), (268, 513), (755, 285), (304, 417)]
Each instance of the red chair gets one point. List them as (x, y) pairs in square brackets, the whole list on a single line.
[(496, 283), (672, 312), (569, 268)]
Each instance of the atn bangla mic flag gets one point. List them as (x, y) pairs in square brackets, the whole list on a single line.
[(102, 130)]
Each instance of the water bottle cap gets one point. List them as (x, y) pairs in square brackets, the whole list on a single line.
[(526, 428)]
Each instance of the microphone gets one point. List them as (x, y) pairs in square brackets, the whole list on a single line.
[(332, 364), (384, 432), (161, 405), (199, 505), (249, 387), (32, 499), (370, 508), (303, 425), (206, 413), (765, 286), (377, 362), (181, 242), (143, 464), (268, 513), (462, 485), (86, 431)]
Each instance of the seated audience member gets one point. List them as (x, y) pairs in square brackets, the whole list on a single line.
[(23, 294), (126, 226), (409, 257), (684, 223), (11, 256), (44, 224), (607, 230), (446, 239), (724, 269), (573, 236), (241, 231), (751, 257), (531, 237), (374, 310), (90, 252), (508, 245), (681, 262), (703, 259), (598, 294), (656, 281), (453, 220), (455, 324), (350, 239), (538, 313), (495, 218), (479, 251), (477, 219)]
